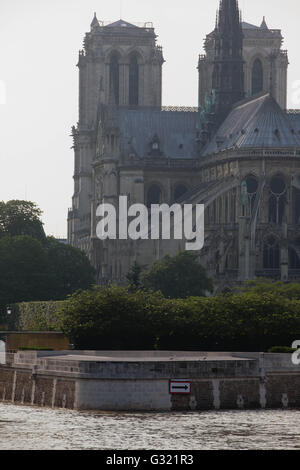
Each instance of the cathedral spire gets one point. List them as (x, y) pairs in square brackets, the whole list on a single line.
[(228, 75), (95, 22), (264, 24)]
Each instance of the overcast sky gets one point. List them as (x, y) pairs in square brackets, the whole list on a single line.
[(39, 43)]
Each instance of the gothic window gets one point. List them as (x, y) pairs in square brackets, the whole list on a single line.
[(297, 205), (251, 184), (112, 139), (217, 262), (226, 209), (153, 195), (180, 190), (233, 206), (114, 78), (133, 81), (271, 254), (227, 262), (252, 187), (207, 216), (101, 84), (214, 214), (257, 77), (220, 210), (294, 260), (277, 200)]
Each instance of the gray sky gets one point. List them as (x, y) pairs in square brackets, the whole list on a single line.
[(39, 43)]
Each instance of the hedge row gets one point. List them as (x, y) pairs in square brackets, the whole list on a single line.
[(34, 316), (114, 318)]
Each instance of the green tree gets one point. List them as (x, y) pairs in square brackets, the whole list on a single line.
[(34, 271), (110, 318), (21, 218), (33, 267), (116, 318), (23, 269), (134, 276), (180, 276), (69, 269), (290, 290)]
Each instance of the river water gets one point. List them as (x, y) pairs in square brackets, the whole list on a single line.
[(29, 428)]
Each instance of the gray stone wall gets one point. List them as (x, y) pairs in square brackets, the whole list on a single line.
[(142, 382)]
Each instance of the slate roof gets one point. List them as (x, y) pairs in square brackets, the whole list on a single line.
[(176, 131), (258, 122), (253, 26), (248, 25), (294, 117), (121, 23)]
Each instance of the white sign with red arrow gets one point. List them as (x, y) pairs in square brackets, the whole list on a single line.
[(180, 387)]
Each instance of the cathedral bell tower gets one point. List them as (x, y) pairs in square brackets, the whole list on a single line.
[(120, 66), (228, 73)]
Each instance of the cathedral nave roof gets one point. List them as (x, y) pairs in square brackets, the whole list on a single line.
[(175, 131)]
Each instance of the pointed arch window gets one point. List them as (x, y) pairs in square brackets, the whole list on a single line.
[(114, 78), (277, 200), (179, 192), (252, 188), (214, 213), (271, 254), (154, 195), (297, 205), (220, 210), (226, 209), (133, 81), (294, 260), (233, 206), (257, 77)]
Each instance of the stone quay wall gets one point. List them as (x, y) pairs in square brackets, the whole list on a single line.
[(141, 381)]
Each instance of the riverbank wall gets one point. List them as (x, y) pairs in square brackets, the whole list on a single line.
[(150, 380)]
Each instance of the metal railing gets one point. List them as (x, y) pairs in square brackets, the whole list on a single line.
[(166, 162), (139, 24), (269, 273), (181, 109)]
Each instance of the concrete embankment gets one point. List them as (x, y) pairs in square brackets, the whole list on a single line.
[(147, 380)]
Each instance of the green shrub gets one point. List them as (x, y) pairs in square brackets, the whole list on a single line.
[(281, 349), (35, 316), (115, 318), (35, 349)]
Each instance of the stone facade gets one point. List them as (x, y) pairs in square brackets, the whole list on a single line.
[(123, 43), (259, 44), (246, 171)]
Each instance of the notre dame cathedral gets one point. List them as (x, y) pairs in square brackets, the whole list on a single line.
[(237, 152)]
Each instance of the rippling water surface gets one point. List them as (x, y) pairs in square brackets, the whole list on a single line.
[(27, 428)]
